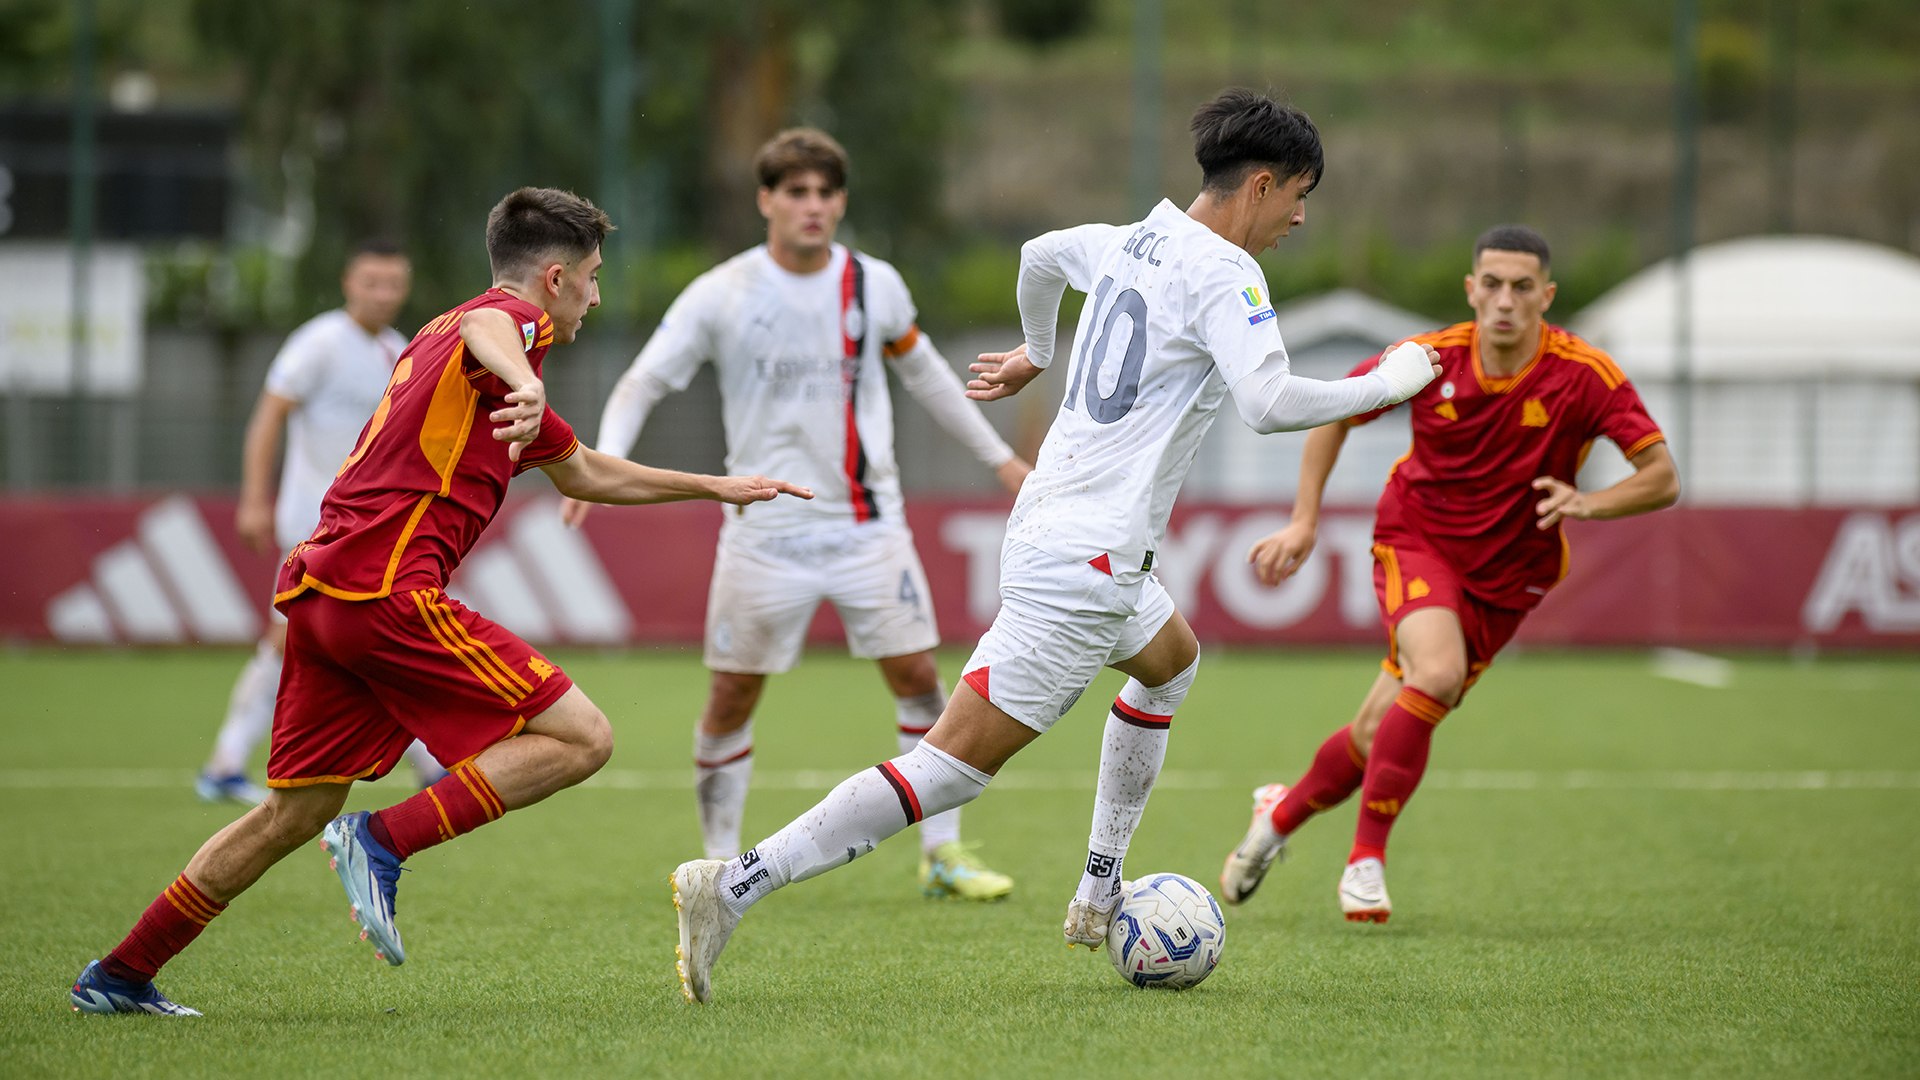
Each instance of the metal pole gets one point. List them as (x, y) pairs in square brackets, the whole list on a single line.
[(1145, 186), (1686, 182), (616, 123), (1780, 119), (80, 226)]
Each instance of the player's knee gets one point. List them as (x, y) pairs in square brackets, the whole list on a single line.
[(595, 743), (291, 821), (1444, 680)]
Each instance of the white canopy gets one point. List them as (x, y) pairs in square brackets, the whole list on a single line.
[(1769, 307)]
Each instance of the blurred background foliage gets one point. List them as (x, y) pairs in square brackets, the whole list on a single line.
[(408, 120)]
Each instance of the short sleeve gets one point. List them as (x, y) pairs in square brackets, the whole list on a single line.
[(1234, 317), (300, 366), (890, 306), (556, 442), (1624, 419)]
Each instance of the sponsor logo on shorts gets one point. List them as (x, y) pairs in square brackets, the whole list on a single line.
[(539, 666), (1146, 564), (746, 886), (1072, 700)]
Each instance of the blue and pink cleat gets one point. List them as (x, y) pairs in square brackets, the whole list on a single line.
[(370, 874)]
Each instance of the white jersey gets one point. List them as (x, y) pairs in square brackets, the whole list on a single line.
[(1175, 316), (335, 373), (803, 386)]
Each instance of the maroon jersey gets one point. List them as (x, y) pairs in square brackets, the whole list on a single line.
[(1465, 490), (427, 474)]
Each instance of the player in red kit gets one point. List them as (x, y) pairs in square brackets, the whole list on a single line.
[(377, 654), (1467, 539)]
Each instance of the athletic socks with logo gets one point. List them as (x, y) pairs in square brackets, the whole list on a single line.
[(722, 771), (865, 809), (1394, 768), (1132, 749)]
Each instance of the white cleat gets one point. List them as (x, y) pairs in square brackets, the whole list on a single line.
[(1087, 920), (1363, 892), (705, 924), (1246, 865)]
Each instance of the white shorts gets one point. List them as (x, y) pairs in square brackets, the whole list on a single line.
[(767, 587), (1059, 624)]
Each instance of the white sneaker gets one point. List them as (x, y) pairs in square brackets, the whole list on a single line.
[(1087, 920), (1363, 892), (1246, 865), (705, 924)]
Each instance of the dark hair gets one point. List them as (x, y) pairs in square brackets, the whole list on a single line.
[(801, 150), (1241, 131), (1521, 238), (378, 247), (535, 224)]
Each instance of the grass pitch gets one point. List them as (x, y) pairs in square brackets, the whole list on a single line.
[(1608, 873)]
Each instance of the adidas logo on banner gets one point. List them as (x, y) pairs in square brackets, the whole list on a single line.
[(543, 581), (170, 582)]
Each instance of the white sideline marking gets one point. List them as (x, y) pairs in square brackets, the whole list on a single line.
[(1696, 668), (822, 780)]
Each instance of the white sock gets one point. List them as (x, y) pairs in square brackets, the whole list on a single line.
[(1131, 752), (722, 769), (917, 716), (866, 808), (249, 712)]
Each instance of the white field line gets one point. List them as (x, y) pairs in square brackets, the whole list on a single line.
[(1017, 779)]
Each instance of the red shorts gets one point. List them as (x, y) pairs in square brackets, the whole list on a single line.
[(1407, 578), (363, 679)]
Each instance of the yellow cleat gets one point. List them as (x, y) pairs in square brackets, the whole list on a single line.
[(953, 870)]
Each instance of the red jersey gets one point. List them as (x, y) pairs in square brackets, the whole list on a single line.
[(427, 475), (1465, 490)]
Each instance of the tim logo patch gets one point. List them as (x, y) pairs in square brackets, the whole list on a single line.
[(1251, 294)]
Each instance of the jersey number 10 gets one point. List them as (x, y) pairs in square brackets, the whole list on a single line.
[(1093, 353)]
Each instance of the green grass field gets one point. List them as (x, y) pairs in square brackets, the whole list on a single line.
[(1608, 873)]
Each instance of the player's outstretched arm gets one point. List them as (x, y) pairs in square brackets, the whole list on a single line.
[(591, 476), (1279, 555), (1654, 485), (1271, 398), (494, 341), (926, 375)]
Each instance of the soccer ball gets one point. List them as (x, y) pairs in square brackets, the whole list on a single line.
[(1167, 934)]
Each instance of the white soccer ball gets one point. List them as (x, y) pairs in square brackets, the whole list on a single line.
[(1167, 934)]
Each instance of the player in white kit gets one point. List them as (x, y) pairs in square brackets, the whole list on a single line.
[(1177, 320), (802, 332), (321, 387)]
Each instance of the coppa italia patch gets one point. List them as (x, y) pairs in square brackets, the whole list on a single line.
[(1251, 294), (526, 336)]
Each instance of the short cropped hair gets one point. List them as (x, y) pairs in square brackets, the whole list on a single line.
[(378, 247), (533, 225), (1241, 131), (1521, 238), (802, 149)]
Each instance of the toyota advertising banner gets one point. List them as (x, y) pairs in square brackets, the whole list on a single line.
[(168, 570)]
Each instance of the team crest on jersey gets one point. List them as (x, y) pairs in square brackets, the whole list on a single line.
[(526, 336), (854, 324)]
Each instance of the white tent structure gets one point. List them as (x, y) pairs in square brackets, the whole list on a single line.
[(1797, 365)]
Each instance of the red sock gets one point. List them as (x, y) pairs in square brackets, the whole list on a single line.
[(168, 925), (1336, 771), (461, 802), (1394, 768)]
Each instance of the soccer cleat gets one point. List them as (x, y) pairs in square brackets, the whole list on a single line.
[(233, 787), (1247, 865), (1087, 921), (1363, 892), (705, 924), (95, 991), (370, 874), (952, 869)]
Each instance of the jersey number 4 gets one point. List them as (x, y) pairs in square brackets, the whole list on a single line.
[(1093, 353)]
